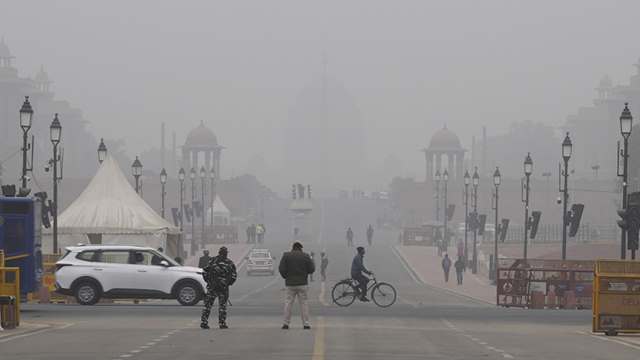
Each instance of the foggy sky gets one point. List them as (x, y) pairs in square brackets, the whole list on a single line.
[(410, 66)]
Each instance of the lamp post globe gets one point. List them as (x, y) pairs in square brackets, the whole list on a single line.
[(55, 130), (203, 173), (26, 115), (476, 177), (567, 147), (445, 175), (192, 174), (163, 176), (212, 174), (626, 121), (467, 178), (528, 165), (181, 174), (497, 178), (102, 151), (136, 167), (437, 176)]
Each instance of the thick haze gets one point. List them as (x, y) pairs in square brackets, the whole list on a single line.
[(409, 66)]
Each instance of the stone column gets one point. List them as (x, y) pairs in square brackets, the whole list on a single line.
[(428, 156), (207, 159), (194, 160), (460, 165), (450, 165), (438, 156)]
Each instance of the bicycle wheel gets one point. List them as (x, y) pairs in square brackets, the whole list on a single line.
[(383, 294), (343, 294)]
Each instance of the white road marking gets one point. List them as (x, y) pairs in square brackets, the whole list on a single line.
[(253, 292), (135, 351), (406, 267), (35, 332), (450, 325), (151, 343)]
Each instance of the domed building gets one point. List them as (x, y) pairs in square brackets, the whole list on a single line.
[(444, 144), (201, 140)]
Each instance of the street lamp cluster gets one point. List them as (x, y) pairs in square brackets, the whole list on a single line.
[(626, 125)]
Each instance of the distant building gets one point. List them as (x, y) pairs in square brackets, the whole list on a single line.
[(76, 140)]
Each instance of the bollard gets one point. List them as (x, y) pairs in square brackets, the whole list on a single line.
[(8, 319)]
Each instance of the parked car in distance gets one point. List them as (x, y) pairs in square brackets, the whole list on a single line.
[(260, 261), (107, 271)]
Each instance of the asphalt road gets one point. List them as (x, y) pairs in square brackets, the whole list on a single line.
[(425, 323)]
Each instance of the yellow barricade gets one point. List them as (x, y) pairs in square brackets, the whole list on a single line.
[(10, 286), (616, 297)]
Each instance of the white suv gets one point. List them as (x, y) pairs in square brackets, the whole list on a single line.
[(260, 260), (95, 271)]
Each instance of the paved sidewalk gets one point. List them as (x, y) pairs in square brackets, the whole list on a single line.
[(426, 265)]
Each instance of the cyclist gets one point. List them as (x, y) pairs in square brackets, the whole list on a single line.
[(357, 273)]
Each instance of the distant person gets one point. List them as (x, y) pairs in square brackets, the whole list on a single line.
[(219, 274), (248, 234), (324, 262), (370, 234), (446, 266), (459, 266), (260, 233), (357, 273), (349, 237), (204, 259), (313, 260), (295, 267), (161, 249)]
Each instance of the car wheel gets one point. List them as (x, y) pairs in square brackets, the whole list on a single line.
[(188, 293), (87, 293)]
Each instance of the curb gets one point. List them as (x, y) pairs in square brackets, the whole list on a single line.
[(421, 281)]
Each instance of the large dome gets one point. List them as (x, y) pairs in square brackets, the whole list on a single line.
[(445, 139), (201, 136)]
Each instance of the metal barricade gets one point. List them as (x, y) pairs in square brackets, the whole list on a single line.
[(544, 284), (616, 297), (10, 287)]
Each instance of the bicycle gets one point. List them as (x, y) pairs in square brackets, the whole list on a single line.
[(344, 293)]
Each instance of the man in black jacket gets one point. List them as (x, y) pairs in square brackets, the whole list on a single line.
[(295, 267), (219, 274)]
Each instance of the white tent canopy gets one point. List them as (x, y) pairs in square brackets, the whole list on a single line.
[(221, 213), (109, 211)]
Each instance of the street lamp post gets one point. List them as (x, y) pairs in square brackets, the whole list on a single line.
[(445, 241), (55, 134), (181, 207), (26, 118), (497, 179), (567, 148), (528, 170), (136, 170), (626, 124), (476, 182), (203, 178), (163, 193), (192, 176), (212, 175), (467, 180), (102, 151), (437, 179)]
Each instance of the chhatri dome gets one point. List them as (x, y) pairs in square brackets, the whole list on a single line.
[(201, 136), (444, 139), (444, 152), (200, 149)]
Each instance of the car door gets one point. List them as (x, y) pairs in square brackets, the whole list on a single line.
[(114, 270), (149, 274)]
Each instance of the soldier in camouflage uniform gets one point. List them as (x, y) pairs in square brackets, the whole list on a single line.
[(219, 274)]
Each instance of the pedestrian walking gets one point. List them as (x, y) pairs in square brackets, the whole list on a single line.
[(248, 234), (349, 237), (313, 260), (446, 266), (370, 234), (204, 259), (295, 267), (219, 274), (260, 233), (459, 266), (324, 262)]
